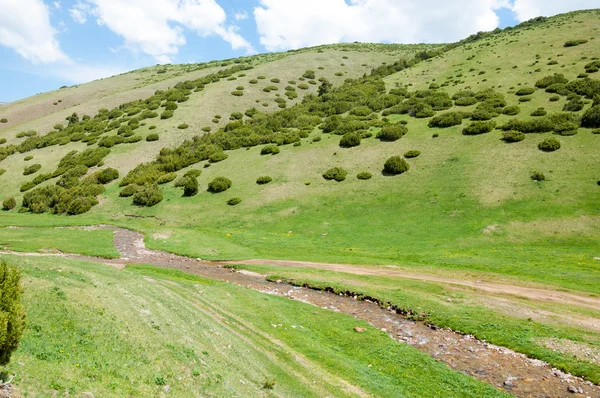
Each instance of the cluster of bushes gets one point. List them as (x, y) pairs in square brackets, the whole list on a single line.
[(269, 150), (336, 173), (592, 67), (591, 118), (548, 81), (34, 168)]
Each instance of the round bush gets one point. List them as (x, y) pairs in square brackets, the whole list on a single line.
[(336, 173), (554, 98), (152, 137), (395, 165), (166, 115), (513, 136), (525, 91), (128, 191), (350, 140), (524, 99), (171, 106), (4, 120), (365, 175), (166, 178), (238, 93), (269, 150), (511, 110), (465, 101), (190, 186), (193, 173), (107, 175), (596, 131), (549, 145), (148, 195), (219, 184), (263, 180), (447, 119), (234, 201), (392, 133), (183, 126), (591, 118), (537, 176), (539, 112), (9, 204), (412, 154), (361, 111), (275, 80), (476, 128)]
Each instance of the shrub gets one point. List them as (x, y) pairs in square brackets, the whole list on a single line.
[(309, 74), (395, 165), (239, 93), (596, 131), (236, 116), (525, 91), (152, 137), (28, 158), (275, 80), (548, 81), (263, 180), (549, 145), (190, 186), (554, 98), (303, 86), (592, 67), (537, 176), (171, 106), (183, 126), (336, 173), (511, 110), (148, 195), (575, 104), (34, 168), (350, 140), (365, 175), (483, 114), (361, 111), (465, 101), (2, 141), (107, 175), (566, 128), (2, 171), (573, 43), (412, 154), (539, 112), (513, 136), (9, 204), (261, 77), (217, 157), (591, 118), (4, 120), (392, 133), (269, 150), (219, 184), (166, 178), (268, 89), (193, 173), (234, 201), (253, 81), (129, 190), (479, 128), (12, 311), (447, 119), (166, 115), (524, 99)]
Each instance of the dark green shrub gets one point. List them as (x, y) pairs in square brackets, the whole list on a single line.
[(148, 195), (483, 114), (539, 112), (573, 43), (275, 80), (253, 81), (2, 141), (2, 171), (34, 168), (4, 120), (303, 86), (479, 128), (270, 88), (447, 119), (575, 104), (190, 186), (263, 180), (591, 118), (336, 173), (30, 133), (316, 139), (395, 165), (525, 91), (548, 81), (152, 137), (236, 116), (234, 201), (549, 145), (183, 126), (537, 176), (392, 133), (554, 98), (412, 154), (9, 204), (269, 150), (465, 101), (206, 129), (592, 67), (193, 173), (12, 311), (524, 99), (365, 175), (217, 157), (129, 190), (309, 74), (566, 128), (511, 110), (261, 77), (219, 184), (239, 93), (166, 115), (107, 175), (513, 136), (361, 111), (350, 140), (166, 178), (171, 106)]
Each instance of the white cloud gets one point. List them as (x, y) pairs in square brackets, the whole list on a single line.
[(76, 73), (79, 12), (56, 5), (156, 27), (527, 9), (25, 27), (240, 16)]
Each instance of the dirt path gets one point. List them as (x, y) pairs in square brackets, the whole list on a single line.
[(501, 367)]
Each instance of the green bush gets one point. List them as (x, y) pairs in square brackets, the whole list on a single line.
[(309, 74), (476, 128), (412, 154), (129, 190), (275, 80), (447, 119), (575, 104), (166, 178), (537, 176), (171, 106), (12, 311), (107, 175), (34, 168), (483, 114), (361, 111), (539, 112), (270, 88), (190, 186), (166, 115), (566, 128), (4, 120), (234, 201), (465, 101), (350, 140), (524, 99), (525, 91), (219, 184), (592, 67), (148, 195), (183, 126), (253, 81), (513, 136), (193, 173), (392, 133), (591, 118), (239, 93), (511, 110), (548, 81), (152, 137), (596, 131), (395, 165), (236, 116), (9, 204), (303, 86), (217, 156), (2, 141), (573, 43), (549, 145), (365, 175), (554, 98), (336, 173), (269, 150), (263, 180), (2, 171)]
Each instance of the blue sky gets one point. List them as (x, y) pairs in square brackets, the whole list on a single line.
[(45, 44)]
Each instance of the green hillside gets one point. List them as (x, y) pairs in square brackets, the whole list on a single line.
[(497, 174)]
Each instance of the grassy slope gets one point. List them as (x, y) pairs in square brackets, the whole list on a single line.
[(89, 333)]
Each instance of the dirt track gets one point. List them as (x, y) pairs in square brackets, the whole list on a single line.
[(503, 368)]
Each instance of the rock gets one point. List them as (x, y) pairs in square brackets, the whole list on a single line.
[(572, 389), (508, 383), (167, 388), (359, 330)]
